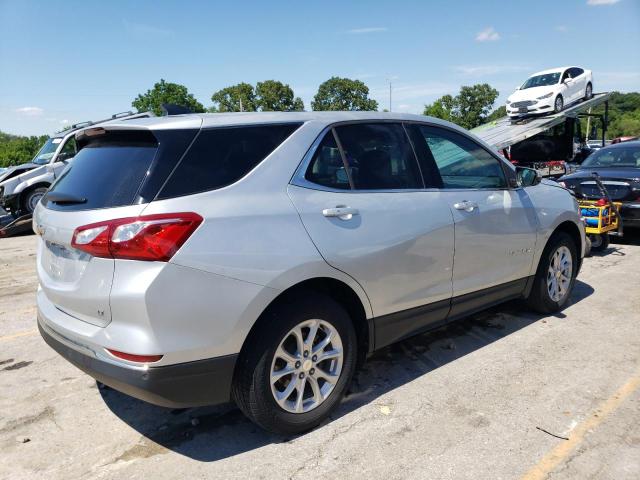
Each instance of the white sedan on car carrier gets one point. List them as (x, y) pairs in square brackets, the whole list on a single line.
[(550, 91)]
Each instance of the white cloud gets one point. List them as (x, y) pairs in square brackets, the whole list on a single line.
[(601, 2), (561, 28), (489, 34), (30, 111), (360, 31), (488, 70)]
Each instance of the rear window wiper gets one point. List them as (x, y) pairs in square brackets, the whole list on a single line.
[(64, 198)]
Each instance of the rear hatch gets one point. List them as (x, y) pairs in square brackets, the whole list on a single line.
[(114, 175)]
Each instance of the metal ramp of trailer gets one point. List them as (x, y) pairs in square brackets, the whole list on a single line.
[(503, 133)]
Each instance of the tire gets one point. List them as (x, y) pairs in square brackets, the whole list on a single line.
[(541, 298), (588, 92), (599, 243), (31, 198), (252, 389), (558, 104)]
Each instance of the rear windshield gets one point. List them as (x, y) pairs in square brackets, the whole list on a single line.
[(107, 172)]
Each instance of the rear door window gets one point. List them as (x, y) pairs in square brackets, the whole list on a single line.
[(222, 156), (326, 167), (379, 156), (107, 172)]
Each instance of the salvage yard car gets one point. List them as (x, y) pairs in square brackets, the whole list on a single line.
[(550, 91), (22, 187), (259, 257), (618, 167)]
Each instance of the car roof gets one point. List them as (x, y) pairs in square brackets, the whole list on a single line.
[(209, 120), (551, 70), (628, 143)]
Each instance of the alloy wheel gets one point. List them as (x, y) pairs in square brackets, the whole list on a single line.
[(306, 366), (559, 274)]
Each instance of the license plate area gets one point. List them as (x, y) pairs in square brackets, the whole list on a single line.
[(62, 263)]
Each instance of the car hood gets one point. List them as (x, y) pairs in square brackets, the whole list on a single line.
[(530, 93), (625, 173), (11, 171)]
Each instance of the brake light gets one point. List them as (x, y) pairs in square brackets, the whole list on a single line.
[(133, 357), (148, 237), (602, 202)]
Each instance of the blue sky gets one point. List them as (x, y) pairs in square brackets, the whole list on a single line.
[(64, 61)]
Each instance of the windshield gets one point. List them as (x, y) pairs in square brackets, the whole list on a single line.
[(541, 80), (614, 157), (47, 151)]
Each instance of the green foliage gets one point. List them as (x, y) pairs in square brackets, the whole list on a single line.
[(469, 109), (275, 96), (624, 116), (343, 94), (166, 92), (236, 98), (15, 150), (497, 114)]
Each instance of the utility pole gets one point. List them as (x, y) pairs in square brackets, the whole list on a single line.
[(241, 109), (389, 94)]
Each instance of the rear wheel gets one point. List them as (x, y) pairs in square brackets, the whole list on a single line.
[(31, 198), (555, 276), (295, 369), (588, 92), (558, 105)]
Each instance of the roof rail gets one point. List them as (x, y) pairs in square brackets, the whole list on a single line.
[(82, 124), (121, 114)]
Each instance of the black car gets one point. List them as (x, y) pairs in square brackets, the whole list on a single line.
[(619, 169)]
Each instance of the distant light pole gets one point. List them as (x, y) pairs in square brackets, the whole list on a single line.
[(389, 94)]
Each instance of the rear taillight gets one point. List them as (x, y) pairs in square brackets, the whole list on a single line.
[(149, 237)]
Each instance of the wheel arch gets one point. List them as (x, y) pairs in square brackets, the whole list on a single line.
[(336, 289), (571, 229), (29, 188)]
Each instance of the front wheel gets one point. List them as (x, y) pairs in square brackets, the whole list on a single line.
[(32, 198), (294, 371), (555, 276), (558, 105)]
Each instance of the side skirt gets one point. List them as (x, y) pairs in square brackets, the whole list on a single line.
[(397, 326)]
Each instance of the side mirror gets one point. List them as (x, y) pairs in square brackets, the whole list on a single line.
[(567, 80), (527, 177)]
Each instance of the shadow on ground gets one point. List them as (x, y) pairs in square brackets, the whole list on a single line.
[(213, 433)]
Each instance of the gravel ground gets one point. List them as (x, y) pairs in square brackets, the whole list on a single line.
[(485, 398)]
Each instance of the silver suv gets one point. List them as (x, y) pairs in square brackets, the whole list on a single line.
[(197, 259)]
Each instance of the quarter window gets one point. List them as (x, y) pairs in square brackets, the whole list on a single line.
[(462, 163), (221, 156), (379, 156)]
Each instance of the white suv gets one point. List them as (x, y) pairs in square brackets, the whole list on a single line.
[(257, 257)]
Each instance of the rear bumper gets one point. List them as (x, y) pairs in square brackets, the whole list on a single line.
[(191, 384)]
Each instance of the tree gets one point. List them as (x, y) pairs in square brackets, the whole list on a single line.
[(275, 96), (15, 150), (497, 114), (469, 109), (624, 116), (441, 108), (236, 98), (343, 94), (166, 92)]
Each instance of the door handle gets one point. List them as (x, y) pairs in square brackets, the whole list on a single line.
[(465, 205), (342, 212)]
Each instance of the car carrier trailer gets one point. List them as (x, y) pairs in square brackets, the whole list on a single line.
[(546, 143)]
